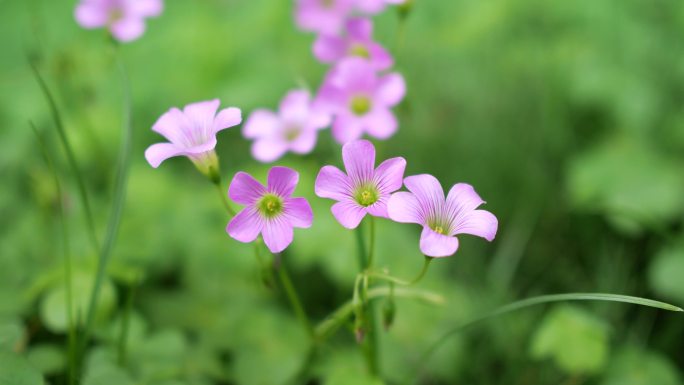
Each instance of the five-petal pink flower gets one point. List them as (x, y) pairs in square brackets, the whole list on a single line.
[(364, 189), (441, 218), (360, 100), (323, 16), (357, 41), (192, 133), (294, 128), (125, 19), (270, 211)]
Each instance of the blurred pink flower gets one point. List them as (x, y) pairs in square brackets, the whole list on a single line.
[(192, 133), (270, 211), (294, 128), (125, 19), (322, 16), (375, 6), (364, 189), (441, 218), (360, 100), (357, 41)]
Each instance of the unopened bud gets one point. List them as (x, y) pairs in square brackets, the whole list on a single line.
[(388, 313), (405, 8)]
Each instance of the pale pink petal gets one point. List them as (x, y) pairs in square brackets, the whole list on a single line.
[(332, 183), (379, 208), (294, 108), (246, 225), (360, 28), (404, 207), (480, 223), (390, 174), (428, 192), (202, 114), (157, 153), (261, 123), (347, 128), (277, 233), (391, 90), (298, 212), (269, 149), (91, 14), (353, 74), (380, 57), (173, 124), (359, 161), (329, 49), (244, 189), (437, 245), (371, 6), (227, 117), (305, 142), (128, 28), (282, 181), (462, 198), (318, 119), (348, 213), (145, 8), (380, 123)]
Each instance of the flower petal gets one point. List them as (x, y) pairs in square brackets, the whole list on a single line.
[(261, 123), (145, 8), (404, 207), (428, 192), (305, 142), (480, 223), (391, 89), (379, 56), (201, 117), (282, 181), (329, 48), (157, 153), (267, 150), (294, 108), (244, 189), (379, 208), (437, 245), (348, 213), (360, 28), (359, 161), (381, 123), (172, 125), (332, 183), (91, 14), (227, 117), (389, 175), (278, 234), (347, 128), (128, 29), (246, 225), (298, 212), (462, 198)]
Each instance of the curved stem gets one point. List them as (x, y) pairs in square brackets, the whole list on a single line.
[(399, 281), (292, 296), (224, 198)]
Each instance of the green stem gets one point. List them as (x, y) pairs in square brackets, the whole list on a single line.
[(71, 159), (292, 296), (71, 377), (370, 343), (399, 281), (121, 183), (371, 243), (125, 322), (224, 198)]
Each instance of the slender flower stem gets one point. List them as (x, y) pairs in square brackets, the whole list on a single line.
[(399, 281), (371, 244), (370, 344), (292, 296), (224, 199)]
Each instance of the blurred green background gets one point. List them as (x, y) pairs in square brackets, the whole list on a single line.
[(566, 116)]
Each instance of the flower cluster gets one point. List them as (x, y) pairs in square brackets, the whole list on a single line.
[(125, 19)]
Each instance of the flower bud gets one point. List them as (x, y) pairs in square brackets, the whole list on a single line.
[(388, 313), (405, 9)]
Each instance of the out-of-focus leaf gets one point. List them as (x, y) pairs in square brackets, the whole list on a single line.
[(102, 370), (47, 358), (577, 341), (15, 370), (11, 332), (634, 366), (667, 271)]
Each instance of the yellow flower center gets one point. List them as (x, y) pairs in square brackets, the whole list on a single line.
[(360, 105), (359, 50), (270, 205), (367, 195)]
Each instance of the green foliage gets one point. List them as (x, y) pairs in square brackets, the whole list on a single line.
[(15, 370), (666, 272), (635, 366), (576, 340)]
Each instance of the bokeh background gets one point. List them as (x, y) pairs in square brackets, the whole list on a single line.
[(567, 117)]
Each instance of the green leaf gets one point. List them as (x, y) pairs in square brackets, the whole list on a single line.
[(11, 333), (666, 272), (47, 358), (633, 366), (15, 370), (576, 340)]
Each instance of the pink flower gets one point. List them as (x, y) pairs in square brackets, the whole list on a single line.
[(294, 128), (360, 100), (364, 189), (357, 41), (125, 19), (192, 133), (322, 16), (270, 211), (375, 6), (441, 218)]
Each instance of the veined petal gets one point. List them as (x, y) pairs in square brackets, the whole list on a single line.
[(379, 208), (278, 234), (227, 117), (429, 193), (329, 48), (480, 223), (201, 117), (244, 189), (391, 89), (359, 161), (348, 213), (157, 153), (267, 150), (390, 174), (404, 207), (332, 183), (462, 198), (282, 181), (246, 225), (360, 28), (261, 123), (298, 212), (381, 123), (172, 125), (437, 245), (128, 28)]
